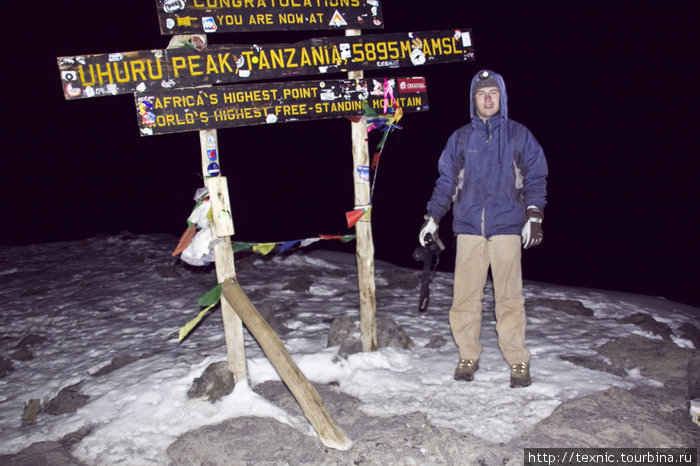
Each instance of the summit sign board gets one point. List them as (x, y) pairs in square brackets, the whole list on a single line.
[(210, 16), (228, 106), (106, 74)]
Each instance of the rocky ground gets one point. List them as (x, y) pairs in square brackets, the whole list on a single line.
[(643, 417)]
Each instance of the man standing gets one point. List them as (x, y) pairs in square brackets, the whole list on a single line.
[(493, 173)]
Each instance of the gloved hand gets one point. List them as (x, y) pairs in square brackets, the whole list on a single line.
[(429, 227), (532, 231)]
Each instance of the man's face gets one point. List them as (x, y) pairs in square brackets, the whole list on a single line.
[(488, 102)]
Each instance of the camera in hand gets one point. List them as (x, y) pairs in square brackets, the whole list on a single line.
[(430, 256), (433, 246)]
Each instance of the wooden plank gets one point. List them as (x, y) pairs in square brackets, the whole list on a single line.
[(215, 16), (233, 327), (222, 219), (224, 263), (364, 244), (306, 395), (88, 76), (191, 109)]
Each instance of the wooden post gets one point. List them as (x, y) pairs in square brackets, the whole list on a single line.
[(364, 251), (306, 395), (222, 229)]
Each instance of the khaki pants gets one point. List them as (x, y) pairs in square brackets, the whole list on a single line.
[(474, 256)]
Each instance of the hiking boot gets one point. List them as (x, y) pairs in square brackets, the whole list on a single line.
[(465, 369), (520, 375)]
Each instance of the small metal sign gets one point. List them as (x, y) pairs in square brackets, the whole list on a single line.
[(228, 106), (86, 76), (211, 16)]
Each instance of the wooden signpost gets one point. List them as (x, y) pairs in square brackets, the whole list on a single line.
[(210, 16), (175, 91), (222, 230), (364, 252)]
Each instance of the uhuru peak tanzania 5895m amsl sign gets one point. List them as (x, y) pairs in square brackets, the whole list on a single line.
[(150, 70), (209, 16)]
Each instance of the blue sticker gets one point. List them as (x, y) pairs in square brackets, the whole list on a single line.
[(213, 169), (211, 154), (362, 175)]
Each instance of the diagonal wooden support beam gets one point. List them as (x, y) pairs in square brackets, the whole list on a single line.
[(306, 395)]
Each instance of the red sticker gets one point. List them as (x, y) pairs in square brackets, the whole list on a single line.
[(72, 91), (412, 85)]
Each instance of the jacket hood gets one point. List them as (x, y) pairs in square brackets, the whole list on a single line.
[(501, 87)]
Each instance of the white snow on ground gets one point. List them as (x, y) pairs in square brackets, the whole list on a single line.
[(102, 298)]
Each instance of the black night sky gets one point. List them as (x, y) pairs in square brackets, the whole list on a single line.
[(609, 89)]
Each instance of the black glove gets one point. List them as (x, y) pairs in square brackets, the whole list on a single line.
[(532, 231)]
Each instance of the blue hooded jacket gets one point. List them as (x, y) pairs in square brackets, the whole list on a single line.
[(490, 172)]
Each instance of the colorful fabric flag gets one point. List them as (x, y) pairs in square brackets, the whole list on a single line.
[(210, 299), (264, 248), (185, 239), (354, 216)]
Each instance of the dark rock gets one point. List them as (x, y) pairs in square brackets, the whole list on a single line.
[(350, 346), (299, 284), (42, 453), (568, 306), (118, 363), (31, 340), (404, 279), (345, 332), (5, 367), (74, 437), (593, 363), (690, 332), (48, 453), (648, 323), (35, 291), (22, 354), (341, 329), (694, 378), (245, 261), (216, 381), (400, 439), (436, 341), (269, 313), (167, 271), (68, 400), (660, 360), (391, 335), (616, 418), (31, 410)]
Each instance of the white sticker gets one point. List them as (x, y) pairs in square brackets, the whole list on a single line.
[(337, 20), (208, 24), (466, 39)]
